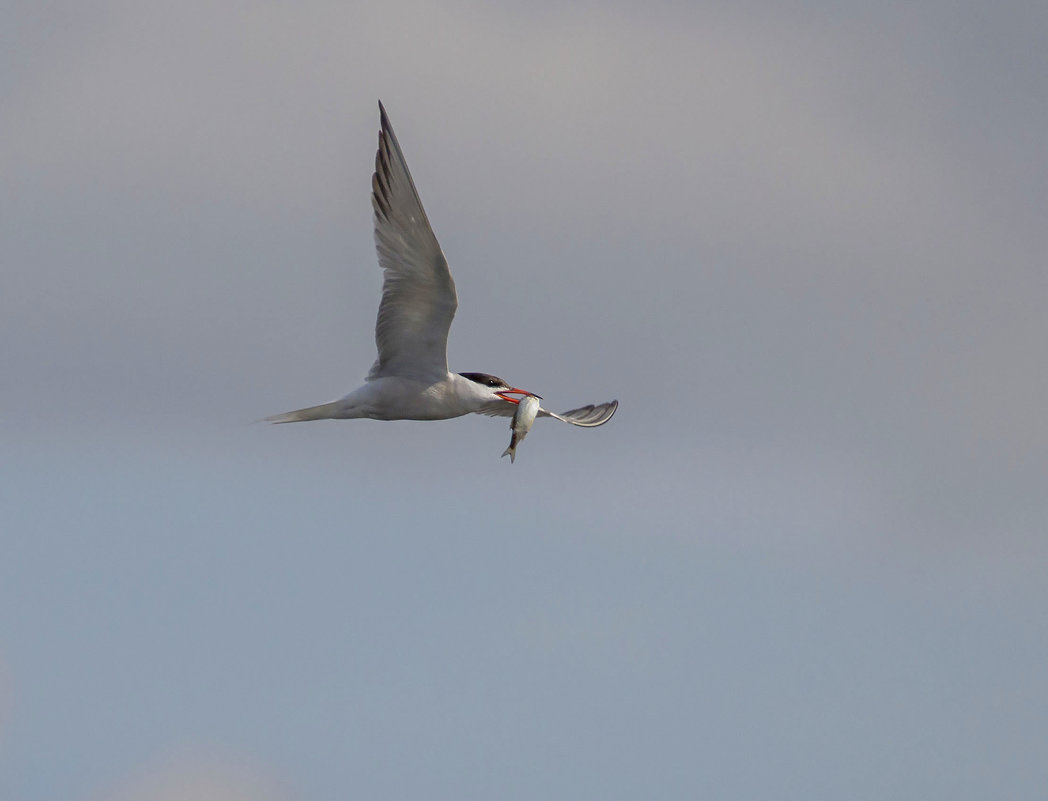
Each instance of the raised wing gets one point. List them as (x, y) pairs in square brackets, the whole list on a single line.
[(418, 293), (589, 416)]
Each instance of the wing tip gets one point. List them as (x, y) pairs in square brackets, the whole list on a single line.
[(607, 411), (591, 415)]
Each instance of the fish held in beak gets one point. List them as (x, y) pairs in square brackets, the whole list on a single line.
[(527, 410)]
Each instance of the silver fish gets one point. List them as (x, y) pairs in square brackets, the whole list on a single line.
[(527, 409)]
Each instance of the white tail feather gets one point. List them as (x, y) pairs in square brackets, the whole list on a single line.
[(324, 411)]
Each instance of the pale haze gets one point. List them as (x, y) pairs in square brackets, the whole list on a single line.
[(804, 245)]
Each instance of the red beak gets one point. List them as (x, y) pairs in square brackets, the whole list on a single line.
[(505, 393)]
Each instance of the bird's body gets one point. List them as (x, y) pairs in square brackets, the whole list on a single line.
[(410, 379), (398, 398)]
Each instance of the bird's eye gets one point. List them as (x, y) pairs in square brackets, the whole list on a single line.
[(492, 382)]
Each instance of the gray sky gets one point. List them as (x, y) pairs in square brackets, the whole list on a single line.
[(803, 245)]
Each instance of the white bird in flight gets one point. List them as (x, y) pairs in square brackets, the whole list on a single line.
[(410, 379)]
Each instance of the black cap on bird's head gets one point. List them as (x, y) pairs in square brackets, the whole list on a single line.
[(499, 386)]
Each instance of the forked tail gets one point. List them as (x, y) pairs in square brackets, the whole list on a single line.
[(324, 411)]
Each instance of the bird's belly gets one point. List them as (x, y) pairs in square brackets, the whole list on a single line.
[(395, 398)]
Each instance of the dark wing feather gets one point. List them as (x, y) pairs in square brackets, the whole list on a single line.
[(590, 416)]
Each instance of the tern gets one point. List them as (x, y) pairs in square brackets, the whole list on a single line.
[(410, 379)]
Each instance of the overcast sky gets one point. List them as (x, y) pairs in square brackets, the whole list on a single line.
[(803, 244)]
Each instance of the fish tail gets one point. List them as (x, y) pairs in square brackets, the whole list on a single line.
[(511, 451)]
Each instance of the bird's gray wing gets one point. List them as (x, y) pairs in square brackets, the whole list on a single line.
[(589, 416), (418, 293)]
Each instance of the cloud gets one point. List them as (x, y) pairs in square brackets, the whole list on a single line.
[(196, 777)]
